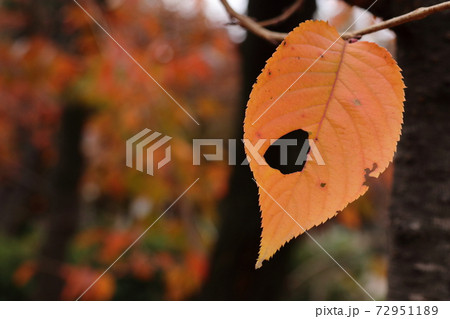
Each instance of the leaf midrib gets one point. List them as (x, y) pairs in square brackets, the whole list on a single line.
[(327, 104)]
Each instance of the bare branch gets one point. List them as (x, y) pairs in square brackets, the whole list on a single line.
[(274, 37), (417, 14), (253, 26), (284, 16)]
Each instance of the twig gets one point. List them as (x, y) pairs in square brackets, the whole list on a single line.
[(253, 26), (274, 37), (417, 14), (284, 16)]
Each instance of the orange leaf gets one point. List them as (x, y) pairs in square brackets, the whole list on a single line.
[(350, 101)]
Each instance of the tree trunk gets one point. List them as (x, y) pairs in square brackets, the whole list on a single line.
[(419, 231), (419, 259), (232, 273), (63, 216)]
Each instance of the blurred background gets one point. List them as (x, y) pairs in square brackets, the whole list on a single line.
[(69, 206)]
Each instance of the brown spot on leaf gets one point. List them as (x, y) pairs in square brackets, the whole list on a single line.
[(367, 172)]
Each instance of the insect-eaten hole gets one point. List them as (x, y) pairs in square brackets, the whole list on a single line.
[(288, 154)]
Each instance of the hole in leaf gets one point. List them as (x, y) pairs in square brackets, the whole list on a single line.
[(288, 154)]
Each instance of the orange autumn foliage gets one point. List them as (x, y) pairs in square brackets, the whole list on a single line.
[(77, 279), (76, 65), (349, 98)]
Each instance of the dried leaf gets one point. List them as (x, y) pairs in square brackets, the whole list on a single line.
[(351, 104)]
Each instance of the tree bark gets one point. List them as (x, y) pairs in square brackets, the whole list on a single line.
[(63, 216), (232, 271), (419, 258)]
